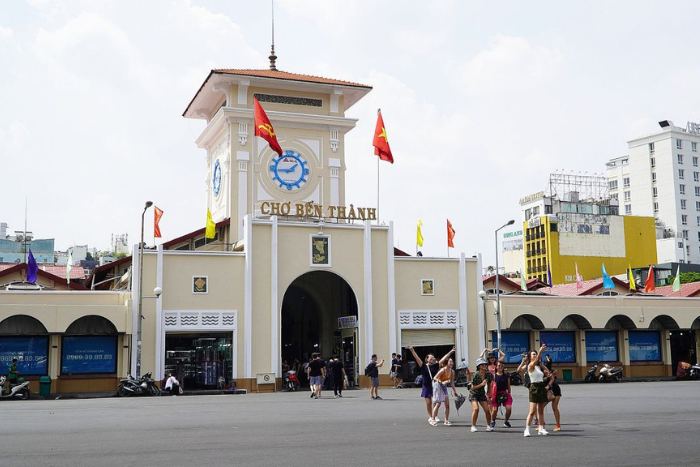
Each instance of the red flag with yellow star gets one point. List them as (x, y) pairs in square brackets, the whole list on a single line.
[(263, 128), (380, 143)]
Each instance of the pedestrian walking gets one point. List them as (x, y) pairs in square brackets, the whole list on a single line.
[(338, 376), (373, 370), (478, 394), (445, 377), (317, 371), (538, 393), (503, 397), (392, 369), (399, 371), (428, 369)]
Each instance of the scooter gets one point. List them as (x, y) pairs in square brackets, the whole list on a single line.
[(591, 376), (291, 382), (131, 386), (688, 371), (610, 373), (19, 391)]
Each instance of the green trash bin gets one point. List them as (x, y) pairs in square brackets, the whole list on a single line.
[(45, 386), (568, 375)]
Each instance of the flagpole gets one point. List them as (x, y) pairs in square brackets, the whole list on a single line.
[(378, 159)]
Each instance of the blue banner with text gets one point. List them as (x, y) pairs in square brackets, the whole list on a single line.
[(89, 354), (560, 346), (601, 346), (513, 344), (644, 346), (31, 354)]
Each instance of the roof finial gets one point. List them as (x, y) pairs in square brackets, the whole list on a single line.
[(273, 57)]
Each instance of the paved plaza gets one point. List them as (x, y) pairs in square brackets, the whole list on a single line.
[(655, 423)]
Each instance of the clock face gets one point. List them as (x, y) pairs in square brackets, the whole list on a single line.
[(216, 178), (290, 170)]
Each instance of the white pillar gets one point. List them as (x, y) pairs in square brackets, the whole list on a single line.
[(367, 248)]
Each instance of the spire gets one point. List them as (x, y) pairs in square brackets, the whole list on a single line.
[(273, 57)]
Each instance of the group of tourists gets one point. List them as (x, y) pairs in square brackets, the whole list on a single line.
[(490, 388)]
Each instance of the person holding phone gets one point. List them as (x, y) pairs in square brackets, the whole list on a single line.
[(538, 392)]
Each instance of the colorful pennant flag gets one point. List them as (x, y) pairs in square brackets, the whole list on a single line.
[(633, 284), (549, 276), (32, 268), (157, 214), (210, 231), (677, 281), (523, 284), (380, 142), (579, 282), (419, 236), (607, 281), (649, 284), (450, 234), (263, 128), (69, 265)]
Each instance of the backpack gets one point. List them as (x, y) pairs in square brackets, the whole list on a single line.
[(368, 369)]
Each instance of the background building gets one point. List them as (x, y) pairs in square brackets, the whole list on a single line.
[(661, 178)]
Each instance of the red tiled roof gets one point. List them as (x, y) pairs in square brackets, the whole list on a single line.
[(77, 272), (276, 74), (570, 289), (4, 271), (501, 278), (692, 289)]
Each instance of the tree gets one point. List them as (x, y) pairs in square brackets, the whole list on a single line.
[(686, 278), (490, 269)]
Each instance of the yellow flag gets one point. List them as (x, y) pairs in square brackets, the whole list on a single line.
[(419, 236), (211, 226), (633, 285)]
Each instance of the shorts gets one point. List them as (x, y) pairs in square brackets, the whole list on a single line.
[(375, 381), (315, 380), (556, 389), (427, 392), (478, 396), (538, 393), (508, 401)]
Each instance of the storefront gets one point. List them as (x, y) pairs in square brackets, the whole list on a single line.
[(200, 361)]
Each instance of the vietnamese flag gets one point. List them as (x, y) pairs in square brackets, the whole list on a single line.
[(450, 234), (157, 214), (263, 128), (649, 285), (380, 142)]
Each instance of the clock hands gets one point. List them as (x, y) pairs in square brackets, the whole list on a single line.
[(291, 169)]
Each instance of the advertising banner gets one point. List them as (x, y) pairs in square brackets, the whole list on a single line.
[(601, 346), (513, 344), (31, 354), (560, 346), (644, 346), (89, 354)]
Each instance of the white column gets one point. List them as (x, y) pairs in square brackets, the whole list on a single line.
[(135, 274), (394, 341), (463, 330), (334, 165), (275, 316), (248, 297), (159, 363), (367, 257), (243, 158), (480, 305)]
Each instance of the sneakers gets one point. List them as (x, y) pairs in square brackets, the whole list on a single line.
[(557, 428), (437, 419), (474, 430), (377, 398), (507, 424), (489, 428), (448, 423), (312, 395), (493, 424), (433, 423), (527, 432), (335, 397), (430, 420), (340, 395), (542, 431)]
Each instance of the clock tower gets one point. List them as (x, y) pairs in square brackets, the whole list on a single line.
[(308, 116)]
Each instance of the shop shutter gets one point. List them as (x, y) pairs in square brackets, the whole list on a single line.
[(425, 337)]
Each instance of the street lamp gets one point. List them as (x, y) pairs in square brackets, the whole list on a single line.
[(498, 288), (139, 325)]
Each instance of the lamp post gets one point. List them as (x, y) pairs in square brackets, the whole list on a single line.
[(140, 319), (498, 288)]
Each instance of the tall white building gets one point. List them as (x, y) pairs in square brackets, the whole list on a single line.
[(661, 177)]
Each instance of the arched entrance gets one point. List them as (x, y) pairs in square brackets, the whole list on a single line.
[(312, 306)]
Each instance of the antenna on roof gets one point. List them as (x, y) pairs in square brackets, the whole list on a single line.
[(273, 57)]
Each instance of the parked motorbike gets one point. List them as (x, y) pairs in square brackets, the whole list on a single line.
[(18, 391), (291, 382), (687, 371), (131, 386), (610, 373), (591, 375)]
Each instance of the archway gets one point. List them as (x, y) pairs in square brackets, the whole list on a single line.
[(311, 310)]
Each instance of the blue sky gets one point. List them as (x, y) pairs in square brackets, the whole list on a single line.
[(481, 102)]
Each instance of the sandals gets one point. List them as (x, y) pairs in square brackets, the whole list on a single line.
[(448, 423)]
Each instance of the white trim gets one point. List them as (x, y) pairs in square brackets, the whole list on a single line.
[(463, 334), (201, 253), (368, 315), (275, 316), (394, 340), (311, 251), (248, 297), (432, 287), (134, 306), (206, 279), (159, 363), (479, 284), (429, 319), (243, 163)]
